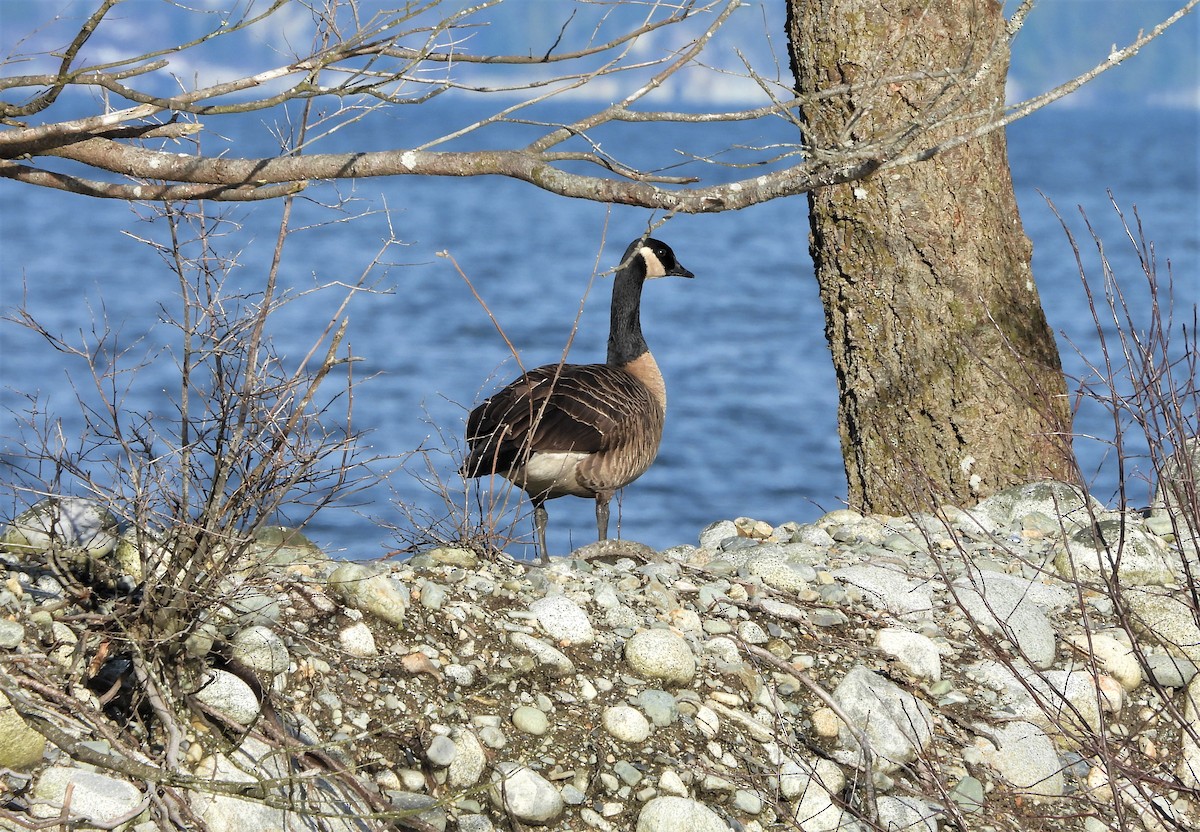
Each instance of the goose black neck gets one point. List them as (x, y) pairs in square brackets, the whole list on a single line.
[(625, 341)]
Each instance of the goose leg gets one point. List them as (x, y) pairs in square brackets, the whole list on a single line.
[(602, 516), (539, 526)]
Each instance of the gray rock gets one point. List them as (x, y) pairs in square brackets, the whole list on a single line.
[(1169, 671), (968, 794), (424, 807), (260, 649), (1026, 758), (433, 596), (661, 655), (772, 563), (469, 760), (659, 706), (1180, 472), (1003, 606), (563, 620), (551, 659), (475, 823), (626, 724), (1167, 620), (747, 802), (1189, 758), (21, 747), (531, 720), (889, 589), (11, 634), (679, 814), (896, 725), (363, 588), (441, 751), (224, 692), (998, 513), (98, 798), (524, 793), (281, 545)]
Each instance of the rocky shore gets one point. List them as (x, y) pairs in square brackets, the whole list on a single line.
[(1027, 664)]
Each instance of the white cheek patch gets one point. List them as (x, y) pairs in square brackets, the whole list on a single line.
[(654, 266)]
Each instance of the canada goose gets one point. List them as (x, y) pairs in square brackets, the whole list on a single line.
[(581, 429)]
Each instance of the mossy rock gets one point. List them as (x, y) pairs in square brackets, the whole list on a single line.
[(1140, 559), (21, 747), (1049, 498), (283, 545)]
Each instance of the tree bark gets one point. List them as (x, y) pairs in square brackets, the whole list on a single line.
[(949, 376)]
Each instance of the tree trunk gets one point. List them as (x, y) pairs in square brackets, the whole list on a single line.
[(949, 378)]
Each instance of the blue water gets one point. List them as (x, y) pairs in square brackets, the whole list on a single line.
[(751, 427)]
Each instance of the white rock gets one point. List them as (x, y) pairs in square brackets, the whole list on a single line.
[(65, 522), (662, 655), (669, 782), (222, 691), (626, 723), (906, 814), (358, 640), (1139, 558), (712, 535), (101, 799), (917, 654), (259, 648), (1076, 694), (527, 795), (707, 721), (752, 633), (679, 814), (563, 620)]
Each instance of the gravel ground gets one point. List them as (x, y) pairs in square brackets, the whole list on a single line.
[(993, 668)]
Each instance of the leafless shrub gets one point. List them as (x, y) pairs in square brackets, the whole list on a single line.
[(249, 437)]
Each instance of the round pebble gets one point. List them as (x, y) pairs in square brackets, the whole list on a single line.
[(531, 720), (441, 751), (358, 640), (626, 723), (660, 654)]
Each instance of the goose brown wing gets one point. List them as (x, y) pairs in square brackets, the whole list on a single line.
[(576, 407)]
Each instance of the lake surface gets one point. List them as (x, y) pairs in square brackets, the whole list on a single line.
[(751, 427)]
